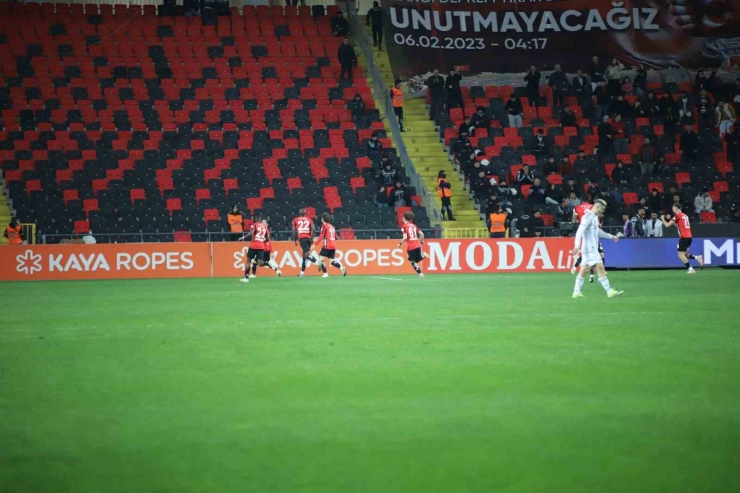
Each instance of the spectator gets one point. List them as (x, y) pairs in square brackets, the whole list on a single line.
[(670, 121), (685, 109), (539, 146), (568, 118), (375, 19), (462, 145), (387, 175), (654, 226), (581, 166), (358, 108), (638, 111), (677, 201), (536, 193), (436, 88), (493, 203), (374, 148), (480, 119), (497, 222), (640, 82), (606, 196), (514, 108), (620, 174), (539, 224), (396, 94), (732, 139), (602, 100), (563, 212), (506, 194), (566, 167), (619, 135), (14, 232), (735, 214), (704, 109), (700, 82), (627, 87), (346, 56), (236, 224), (592, 190), (581, 87), (553, 195), (628, 228), (465, 127), (444, 189), (666, 102), (559, 84), (689, 144), (647, 157), (526, 226), (596, 71), (655, 202), (725, 117), (570, 187), (660, 166), (650, 105), (339, 25), (550, 166), (606, 137), (454, 93), (533, 85), (573, 200), (668, 197), (381, 198), (613, 74), (640, 221), (481, 186), (525, 176), (703, 202), (620, 106), (400, 195)]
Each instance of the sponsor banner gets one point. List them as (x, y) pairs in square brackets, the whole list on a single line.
[(509, 35), (383, 257), (123, 261), (661, 252)]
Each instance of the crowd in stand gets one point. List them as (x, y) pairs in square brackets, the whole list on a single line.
[(635, 129)]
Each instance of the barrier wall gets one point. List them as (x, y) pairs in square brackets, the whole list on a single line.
[(381, 257)]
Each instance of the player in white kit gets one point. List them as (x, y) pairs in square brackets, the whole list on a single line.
[(587, 243)]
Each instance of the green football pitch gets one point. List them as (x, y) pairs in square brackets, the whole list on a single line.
[(446, 384)]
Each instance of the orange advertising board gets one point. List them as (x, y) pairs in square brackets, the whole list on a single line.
[(121, 261), (368, 257)]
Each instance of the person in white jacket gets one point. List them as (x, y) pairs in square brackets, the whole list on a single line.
[(703, 202), (724, 115), (654, 226)]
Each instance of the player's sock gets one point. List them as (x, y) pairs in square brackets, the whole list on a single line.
[(336, 263), (687, 265), (272, 265), (690, 256), (578, 262), (254, 269), (303, 265), (416, 267), (322, 267), (604, 281), (592, 271), (579, 284)]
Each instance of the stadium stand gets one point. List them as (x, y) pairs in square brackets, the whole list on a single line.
[(507, 149), (125, 122)]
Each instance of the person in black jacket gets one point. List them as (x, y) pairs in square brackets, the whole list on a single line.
[(514, 108), (532, 79), (602, 100), (596, 71), (400, 195), (525, 176), (479, 118), (358, 108), (347, 58), (375, 20), (339, 25), (689, 144), (436, 88), (539, 145), (650, 105), (481, 186), (568, 118), (620, 106), (581, 87), (606, 138), (559, 83), (454, 93)]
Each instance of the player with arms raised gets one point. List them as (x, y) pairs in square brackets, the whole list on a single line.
[(303, 231), (587, 243), (414, 238), (681, 221), (328, 238), (259, 233)]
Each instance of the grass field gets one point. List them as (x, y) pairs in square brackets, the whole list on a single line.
[(445, 384)]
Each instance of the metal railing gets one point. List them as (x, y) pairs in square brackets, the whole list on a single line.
[(381, 93)]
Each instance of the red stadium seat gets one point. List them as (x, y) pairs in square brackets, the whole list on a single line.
[(630, 198), (708, 217)]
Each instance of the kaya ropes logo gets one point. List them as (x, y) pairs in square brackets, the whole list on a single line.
[(29, 263)]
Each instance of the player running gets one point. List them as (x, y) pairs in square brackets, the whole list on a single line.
[(681, 221), (328, 238), (414, 238), (259, 233), (578, 213), (587, 241), (303, 231), (267, 255)]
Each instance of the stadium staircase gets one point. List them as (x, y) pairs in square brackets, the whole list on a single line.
[(429, 156), (4, 213)]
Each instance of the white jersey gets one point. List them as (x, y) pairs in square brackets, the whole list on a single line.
[(589, 233)]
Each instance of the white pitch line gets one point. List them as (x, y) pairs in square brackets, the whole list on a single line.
[(386, 278)]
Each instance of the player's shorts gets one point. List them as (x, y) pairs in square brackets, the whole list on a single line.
[(415, 255), (252, 254), (591, 258), (327, 253), (266, 256), (305, 244), (684, 244)]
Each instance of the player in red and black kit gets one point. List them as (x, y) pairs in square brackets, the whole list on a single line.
[(328, 238), (578, 213), (681, 221), (266, 255), (414, 238), (303, 231), (259, 233)]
